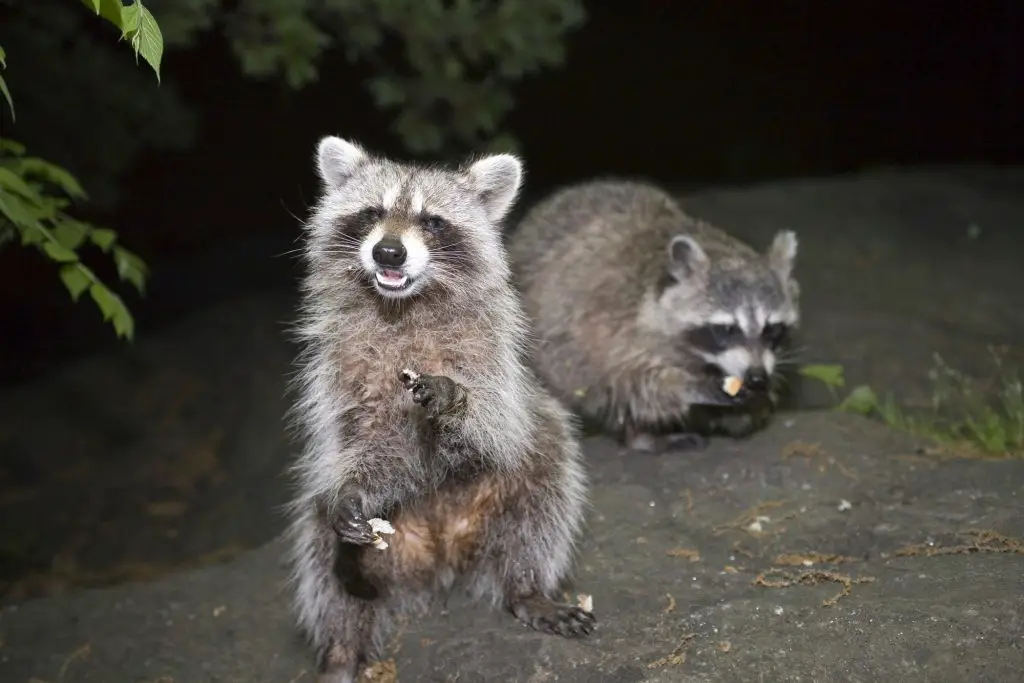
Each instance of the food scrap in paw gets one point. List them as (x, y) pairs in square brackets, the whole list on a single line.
[(585, 602), (408, 377), (732, 385), (380, 526)]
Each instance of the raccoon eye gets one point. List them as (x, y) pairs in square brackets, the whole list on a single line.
[(372, 214), (774, 333), (724, 334), (433, 224)]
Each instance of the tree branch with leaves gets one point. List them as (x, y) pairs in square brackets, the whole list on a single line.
[(35, 193)]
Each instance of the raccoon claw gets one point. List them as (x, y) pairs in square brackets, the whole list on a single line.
[(437, 393), (546, 616), (352, 527)]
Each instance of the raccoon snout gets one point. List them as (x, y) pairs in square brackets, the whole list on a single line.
[(389, 253), (756, 379)]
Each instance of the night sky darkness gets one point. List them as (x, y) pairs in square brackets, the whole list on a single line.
[(667, 90)]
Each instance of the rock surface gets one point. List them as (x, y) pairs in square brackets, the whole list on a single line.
[(672, 556)]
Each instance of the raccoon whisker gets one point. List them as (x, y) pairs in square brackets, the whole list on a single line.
[(291, 252)]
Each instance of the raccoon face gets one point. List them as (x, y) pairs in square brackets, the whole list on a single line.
[(735, 311), (403, 229)]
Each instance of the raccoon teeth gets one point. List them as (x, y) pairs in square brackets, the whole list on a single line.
[(732, 385), (391, 279), (380, 526)]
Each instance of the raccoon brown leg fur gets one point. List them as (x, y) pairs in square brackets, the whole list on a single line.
[(336, 622), (524, 544)]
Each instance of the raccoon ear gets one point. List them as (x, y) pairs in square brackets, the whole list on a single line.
[(782, 253), (686, 259), (496, 180), (337, 160)]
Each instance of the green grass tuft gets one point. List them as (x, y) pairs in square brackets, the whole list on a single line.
[(963, 416)]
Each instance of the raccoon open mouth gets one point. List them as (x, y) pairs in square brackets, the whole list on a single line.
[(391, 280)]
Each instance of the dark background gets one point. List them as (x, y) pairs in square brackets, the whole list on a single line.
[(690, 92)]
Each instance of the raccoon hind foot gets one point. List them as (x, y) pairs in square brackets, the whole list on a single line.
[(335, 664), (645, 442), (556, 618)]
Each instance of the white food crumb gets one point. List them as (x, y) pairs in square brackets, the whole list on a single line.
[(758, 521), (380, 526), (585, 602), (844, 505), (779, 610)]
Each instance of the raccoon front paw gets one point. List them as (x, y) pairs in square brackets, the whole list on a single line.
[(351, 525), (556, 618), (439, 395)]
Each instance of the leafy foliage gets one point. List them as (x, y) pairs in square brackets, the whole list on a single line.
[(64, 58), (31, 189), (137, 26), (445, 69), (962, 415), (32, 212)]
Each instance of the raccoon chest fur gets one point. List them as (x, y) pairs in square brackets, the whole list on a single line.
[(381, 422)]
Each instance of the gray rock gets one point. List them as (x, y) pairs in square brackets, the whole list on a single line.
[(671, 562)]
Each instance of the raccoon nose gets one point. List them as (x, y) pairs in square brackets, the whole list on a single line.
[(389, 253), (756, 379)]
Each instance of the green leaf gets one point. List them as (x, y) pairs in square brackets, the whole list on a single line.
[(105, 299), (3, 58), (15, 148), (386, 92), (862, 400), (111, 10), (103, 237), (139, 25), (59, 252), (131, 268), (54, 174), (14, 209), (829, 375), (76, 278), (113, 309), (70, 234), (11, 181), (7, 96)]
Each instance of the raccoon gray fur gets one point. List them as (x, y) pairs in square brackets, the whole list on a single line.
[(476, 465), (640, 311)]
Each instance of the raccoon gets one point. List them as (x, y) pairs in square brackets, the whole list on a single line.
[(416, 406), (642, 312)]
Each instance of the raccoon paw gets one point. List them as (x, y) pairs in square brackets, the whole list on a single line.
[(684, 441), (351, 525), (556, 618), (680, 441), (335, 666), (436, 393)]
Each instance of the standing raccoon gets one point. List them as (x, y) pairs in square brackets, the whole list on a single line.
[(642, 312), (416, 407)]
